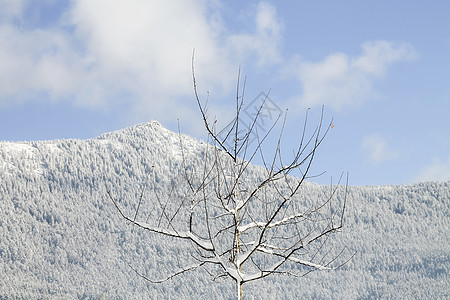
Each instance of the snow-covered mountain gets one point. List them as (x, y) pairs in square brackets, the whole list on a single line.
[(62, 238)]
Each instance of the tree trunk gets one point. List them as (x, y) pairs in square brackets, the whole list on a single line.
[(239, 290)]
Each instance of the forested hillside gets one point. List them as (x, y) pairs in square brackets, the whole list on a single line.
[(61, 237)]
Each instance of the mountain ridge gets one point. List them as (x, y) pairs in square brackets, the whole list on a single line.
[(62, 237)]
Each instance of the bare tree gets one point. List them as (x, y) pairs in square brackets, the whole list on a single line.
[(243, 223)]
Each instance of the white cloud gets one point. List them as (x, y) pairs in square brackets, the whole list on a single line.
[(340, 80), (265, 42), (145, 47), (137, 54), (438, 170), (131, 53), (11, 8), (378, 149), (36, 60)]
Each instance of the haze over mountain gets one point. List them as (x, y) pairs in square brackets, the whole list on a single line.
[(61, 237)]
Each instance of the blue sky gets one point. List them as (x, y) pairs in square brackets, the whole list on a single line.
[(76, 69)]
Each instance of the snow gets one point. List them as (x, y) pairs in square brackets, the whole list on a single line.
[(182, 234), (61, 237), (23, 152), (13, 148), (243, 228)]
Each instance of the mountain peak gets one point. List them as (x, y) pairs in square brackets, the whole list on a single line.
[(142, 128)]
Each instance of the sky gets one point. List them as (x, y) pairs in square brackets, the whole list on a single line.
[(380, 69)]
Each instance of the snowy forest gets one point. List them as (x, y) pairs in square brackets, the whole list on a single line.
[(61, 237)]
